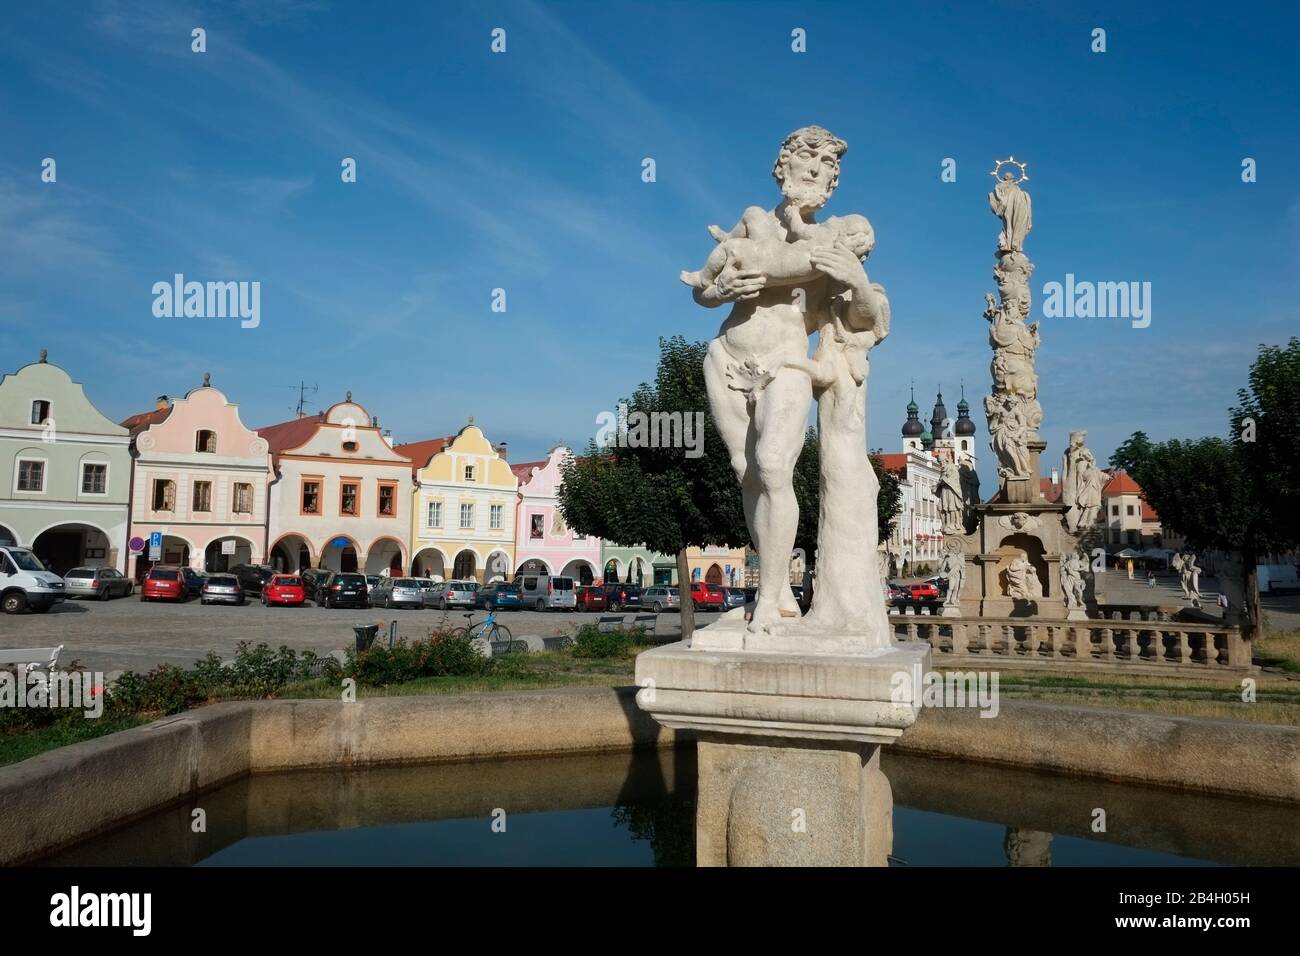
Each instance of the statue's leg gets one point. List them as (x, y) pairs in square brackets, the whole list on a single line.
[(781, 415), (731, 416)]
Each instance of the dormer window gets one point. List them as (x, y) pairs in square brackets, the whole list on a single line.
[(469, 472), (40, 412), (205, 441), (350, 446)]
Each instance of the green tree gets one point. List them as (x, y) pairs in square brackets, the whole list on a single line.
[(668, 500), (1237, 494), (1130, 455)]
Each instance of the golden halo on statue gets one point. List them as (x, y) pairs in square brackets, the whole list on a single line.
[(1010, 161)]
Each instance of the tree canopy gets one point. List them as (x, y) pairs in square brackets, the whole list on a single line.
[(668, 500)]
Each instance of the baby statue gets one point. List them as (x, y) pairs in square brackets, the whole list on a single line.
[(755, 244)]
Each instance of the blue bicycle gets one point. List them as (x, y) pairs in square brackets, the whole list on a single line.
[(489, 630)]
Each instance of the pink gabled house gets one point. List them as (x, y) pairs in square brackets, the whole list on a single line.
[(199, 477), (543, 541)]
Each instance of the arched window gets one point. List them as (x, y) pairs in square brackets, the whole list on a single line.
[(205, 441)]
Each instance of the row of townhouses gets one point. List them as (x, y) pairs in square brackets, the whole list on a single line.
[(189, 483)]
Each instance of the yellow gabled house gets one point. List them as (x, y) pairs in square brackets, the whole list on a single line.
[(463, 519)]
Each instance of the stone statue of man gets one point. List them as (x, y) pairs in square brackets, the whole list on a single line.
[(952, 502), (761, 382)]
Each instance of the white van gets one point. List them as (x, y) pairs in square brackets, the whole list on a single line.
[(540, 591), (24, 582)]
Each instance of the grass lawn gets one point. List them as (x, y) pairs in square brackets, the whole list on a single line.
[(1279, 650), (16, 747)]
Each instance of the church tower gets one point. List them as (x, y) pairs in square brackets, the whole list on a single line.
[(965, 431), (913, 430)]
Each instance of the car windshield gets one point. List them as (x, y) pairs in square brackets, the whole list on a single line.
[(351, 579), (26, 561), (405, 583), (81, 573), (288, 582), (507, 589), (163, 575), (223, 580)]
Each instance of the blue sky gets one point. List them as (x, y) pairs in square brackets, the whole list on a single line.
[(522, 171)]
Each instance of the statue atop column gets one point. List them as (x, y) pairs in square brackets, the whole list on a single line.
[(1013, 411)]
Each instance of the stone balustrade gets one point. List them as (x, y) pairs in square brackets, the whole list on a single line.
[(1114, 644)]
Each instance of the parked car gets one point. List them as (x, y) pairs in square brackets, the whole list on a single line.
[(102, 583), (662, 598), (343, 589), (396, 592), (621, 596), (221, 589), (287, 589), (253, 577), (542, 591), (706, 597), (452, 594), (372, 582), (312, 578), (25, 584), (899, 596), (193, 581), (499, 596), (924, 594), (590, 597), (164, 582), (733, 597)]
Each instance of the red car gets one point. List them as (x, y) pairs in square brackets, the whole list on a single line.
[(924, 593), (591, 598), (163, 583), (707, 597), (285, 589)]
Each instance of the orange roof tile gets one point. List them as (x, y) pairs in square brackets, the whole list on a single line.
[(138, 423), (421, 452), (291, 434)]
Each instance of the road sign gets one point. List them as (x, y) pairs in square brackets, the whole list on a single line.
[(155, 545), (341, 542), (136, 544)]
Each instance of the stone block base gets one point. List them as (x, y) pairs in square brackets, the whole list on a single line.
[(789, 747), (785, 803)]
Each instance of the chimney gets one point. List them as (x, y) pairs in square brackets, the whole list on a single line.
[(501, 450), (161, 402), (1056, 477)]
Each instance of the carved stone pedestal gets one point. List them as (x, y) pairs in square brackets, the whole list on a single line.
[(789, 748)]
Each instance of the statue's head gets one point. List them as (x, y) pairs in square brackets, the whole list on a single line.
[(807, 167)]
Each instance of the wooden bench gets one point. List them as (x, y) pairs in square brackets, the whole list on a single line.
[(610, 622), (31, 658)]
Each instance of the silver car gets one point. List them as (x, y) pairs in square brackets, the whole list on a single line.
[(397, 592), (221, 589), (102, 583), (662, 598), (451, 594)]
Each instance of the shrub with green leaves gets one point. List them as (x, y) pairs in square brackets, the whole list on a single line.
[(590, 641), (441, 655)]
